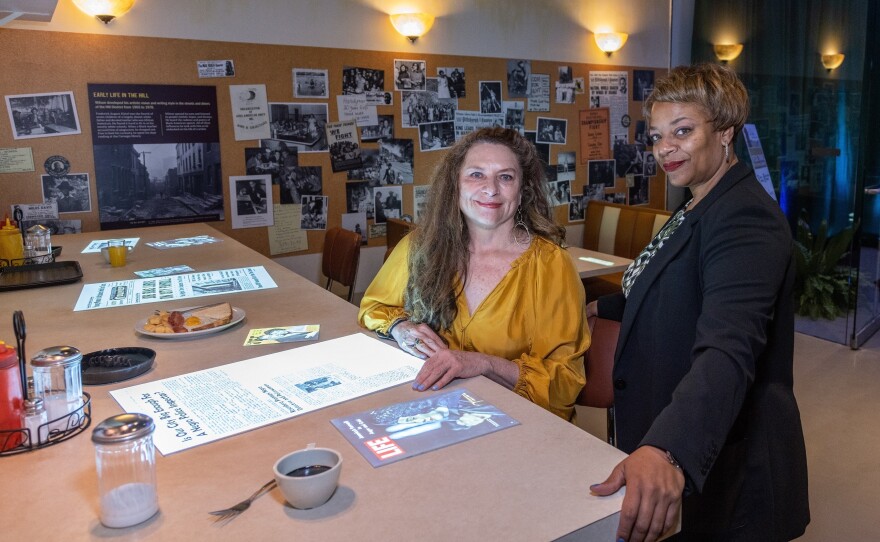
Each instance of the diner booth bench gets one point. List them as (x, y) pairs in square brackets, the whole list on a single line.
[(620, 230)]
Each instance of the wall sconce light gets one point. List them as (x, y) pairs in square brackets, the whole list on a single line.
[(727, 51), (610, 42), (104, 10), (832, 61), (412, 25)]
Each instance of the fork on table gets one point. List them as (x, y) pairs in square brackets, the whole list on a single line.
[(233, 511)]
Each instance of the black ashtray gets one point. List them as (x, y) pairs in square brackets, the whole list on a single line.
[(116, 364)]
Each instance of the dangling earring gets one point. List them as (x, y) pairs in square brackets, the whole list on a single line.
[(520, 223), (726, 152)]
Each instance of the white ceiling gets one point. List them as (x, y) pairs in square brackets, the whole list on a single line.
[(26, 10)]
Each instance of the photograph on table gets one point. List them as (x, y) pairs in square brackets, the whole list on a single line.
[(273, 157), (356, 222), (542, 148), (370, 170), (514, 115), (42, 115), (301, 181), (396, 161), (552, 131), (419, 107), (639, 190), (601, 172), (253, 201), (69, 192), (359, 199), (383, 130), (300, 125), (560, 193), (368, 81), (597, 192), (518, 72), (436, 135), (455, 82), (490, 96), (628, 158), (310, 83), (314, 213), (387, 202), (576, 208), (420, 200), (409, 74), (345, 149)]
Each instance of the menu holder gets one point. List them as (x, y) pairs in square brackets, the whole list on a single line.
[(75, 422), (19, 277), (31, 260)]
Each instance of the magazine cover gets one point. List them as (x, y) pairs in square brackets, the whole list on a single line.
[(402, 430)]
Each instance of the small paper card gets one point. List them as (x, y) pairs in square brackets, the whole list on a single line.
[(164, 271), (275, 335)]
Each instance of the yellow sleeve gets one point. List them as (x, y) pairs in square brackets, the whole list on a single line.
[(552, 370), (382, 303)]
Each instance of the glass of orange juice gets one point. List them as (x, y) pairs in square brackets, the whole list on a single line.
[(117, 251)]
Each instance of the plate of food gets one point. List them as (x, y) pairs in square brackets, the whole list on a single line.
[(190, 322)]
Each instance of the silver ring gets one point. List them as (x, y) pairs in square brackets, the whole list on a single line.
[(410, 345)]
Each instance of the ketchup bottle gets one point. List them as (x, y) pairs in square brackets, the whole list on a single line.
[(11, 400)]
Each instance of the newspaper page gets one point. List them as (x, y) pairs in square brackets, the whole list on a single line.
[(102, 295), (471, 121), (204, 406), (539, 92)]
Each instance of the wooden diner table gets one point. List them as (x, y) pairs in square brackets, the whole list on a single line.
[(529, 482), (590, 263)]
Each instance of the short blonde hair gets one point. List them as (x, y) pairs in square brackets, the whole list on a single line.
[(714, 87)]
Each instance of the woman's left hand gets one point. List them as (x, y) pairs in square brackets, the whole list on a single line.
[(445, 365)]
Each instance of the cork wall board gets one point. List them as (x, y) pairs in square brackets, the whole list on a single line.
[(45, 62)]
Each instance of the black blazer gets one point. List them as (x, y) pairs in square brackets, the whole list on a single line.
[(703, 366)]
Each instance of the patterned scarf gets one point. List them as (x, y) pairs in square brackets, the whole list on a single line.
[(635, 269)]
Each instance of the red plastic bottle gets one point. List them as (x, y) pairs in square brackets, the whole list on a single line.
[(10, 397)]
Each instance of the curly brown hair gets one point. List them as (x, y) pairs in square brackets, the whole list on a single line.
[(439, 246)]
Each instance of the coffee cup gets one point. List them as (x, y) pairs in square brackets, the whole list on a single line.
[(116, 252), (308, 477)]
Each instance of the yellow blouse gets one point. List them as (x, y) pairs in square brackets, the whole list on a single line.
[(535, 317)]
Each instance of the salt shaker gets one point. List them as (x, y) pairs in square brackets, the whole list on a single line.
[(126, 463), (58, 382), (35, 420)]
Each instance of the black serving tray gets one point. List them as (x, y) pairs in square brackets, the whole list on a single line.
[(18, 277), (116, 364)]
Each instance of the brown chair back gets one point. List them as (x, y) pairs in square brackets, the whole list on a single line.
[(395, 230), (598, 364), (342, 252)]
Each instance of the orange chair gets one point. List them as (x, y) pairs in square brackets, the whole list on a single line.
[(342, 252), (598, 363)]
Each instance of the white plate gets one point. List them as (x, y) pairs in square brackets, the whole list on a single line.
[(237, 316)]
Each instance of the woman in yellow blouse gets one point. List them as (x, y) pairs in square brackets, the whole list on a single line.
[(487, 290)]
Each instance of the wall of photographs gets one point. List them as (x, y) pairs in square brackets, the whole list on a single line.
[(282, 142)]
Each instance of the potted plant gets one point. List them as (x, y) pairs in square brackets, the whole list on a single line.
[(823, 288)]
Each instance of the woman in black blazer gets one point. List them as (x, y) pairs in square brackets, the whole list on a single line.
[(703, 369)]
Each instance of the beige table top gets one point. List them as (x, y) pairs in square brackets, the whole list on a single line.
[(607, 264), (529, 482)]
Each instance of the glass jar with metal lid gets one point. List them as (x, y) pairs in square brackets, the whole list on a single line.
[(58, 382), (126, 461)]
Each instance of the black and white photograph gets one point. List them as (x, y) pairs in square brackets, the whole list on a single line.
[(70, 192), (490, 96), (384, 129), (301, 181), (357, 80), (518, 72), (387, 203), (576, 208), (565, 164), (649, 164), (345, 149), (253, 201), (310, 83), (356, 222), (434, 136), (643, 84), (597, 192), (54, 225), (409, 74), (560, 193), (455, 82), (420, 200), (514, 115), (300, 124), (273, 157), (42, 115), (314, 213), (615, 197), (628, 158), (376, 230), (638, 192), (641, 133), (371, 167), (419, 107), (396, 161), (542, 148), (601, 172), (565, 75), (553, 131), (565, 93), (359, 198)]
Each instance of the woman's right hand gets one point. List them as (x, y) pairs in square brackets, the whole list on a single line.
[(418, 339), (592, 309)]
